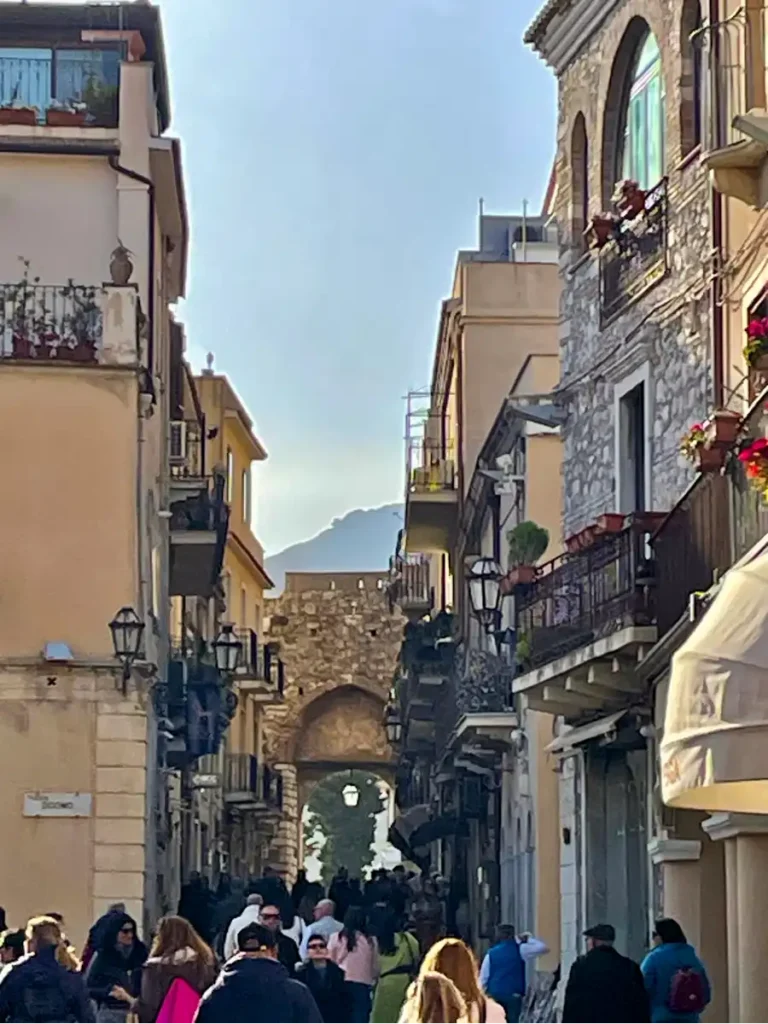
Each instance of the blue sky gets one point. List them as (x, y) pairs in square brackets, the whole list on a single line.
[(334, 154)]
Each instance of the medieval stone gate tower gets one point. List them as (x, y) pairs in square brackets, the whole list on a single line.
[(339, 642)]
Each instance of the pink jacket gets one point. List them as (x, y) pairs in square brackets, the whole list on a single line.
[(360, 964)]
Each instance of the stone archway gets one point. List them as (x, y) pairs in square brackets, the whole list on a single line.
[(339, 642)]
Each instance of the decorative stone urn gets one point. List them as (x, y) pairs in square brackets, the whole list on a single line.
[(120, 265)]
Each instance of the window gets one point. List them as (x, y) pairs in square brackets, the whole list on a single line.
[(642, 156), (692, 42), (632, 454), (230, 475), (246, 496), (579, 183), (39, 76), (243, 608)]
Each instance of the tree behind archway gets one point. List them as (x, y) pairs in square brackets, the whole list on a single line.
[(349, 831)]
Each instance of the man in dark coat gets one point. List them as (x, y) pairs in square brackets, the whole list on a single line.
[(603, 985), (325, 980), (287, 950), (254, 987), (37, 987)]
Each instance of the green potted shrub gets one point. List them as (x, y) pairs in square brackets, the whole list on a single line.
[(526, 543), (101, 102)]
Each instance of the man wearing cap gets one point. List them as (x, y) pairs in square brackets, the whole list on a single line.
[(604, 985), (254, 986)]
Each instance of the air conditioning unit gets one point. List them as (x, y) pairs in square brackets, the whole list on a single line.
[(178, 442)]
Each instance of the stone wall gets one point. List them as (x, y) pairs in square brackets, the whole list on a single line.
[(668, 327), (339, 642)]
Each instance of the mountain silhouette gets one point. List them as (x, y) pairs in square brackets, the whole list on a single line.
[(363, 540)]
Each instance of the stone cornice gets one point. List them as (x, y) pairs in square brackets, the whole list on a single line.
[(663, 851), (728, 825), (561, 30)]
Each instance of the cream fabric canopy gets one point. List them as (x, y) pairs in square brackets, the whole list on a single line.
[(714, 752)]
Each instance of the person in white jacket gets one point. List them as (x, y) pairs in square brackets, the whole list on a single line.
[(251, 915)]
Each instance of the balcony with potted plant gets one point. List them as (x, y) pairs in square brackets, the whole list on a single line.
[(526, 543)]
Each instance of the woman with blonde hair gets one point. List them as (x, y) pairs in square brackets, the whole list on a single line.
[(454, 959), (178, 955), (434, 999)]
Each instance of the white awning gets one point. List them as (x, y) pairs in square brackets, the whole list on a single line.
[(580, 734), (714, 752)]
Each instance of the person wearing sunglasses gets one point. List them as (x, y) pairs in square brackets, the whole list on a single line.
[(287, 950), (113, 977), (325, 980)]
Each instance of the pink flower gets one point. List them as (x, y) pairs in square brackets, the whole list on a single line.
[(757, 329)]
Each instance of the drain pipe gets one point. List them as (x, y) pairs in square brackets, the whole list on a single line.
[(716, 223), (135, 176)]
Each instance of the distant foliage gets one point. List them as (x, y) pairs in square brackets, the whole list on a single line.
[(349, 831)]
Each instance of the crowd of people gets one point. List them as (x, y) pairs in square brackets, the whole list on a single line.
[(375, 952)]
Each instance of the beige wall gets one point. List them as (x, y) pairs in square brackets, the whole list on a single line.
[(70, 476), (509, 313), (544, 488), (539, 727)]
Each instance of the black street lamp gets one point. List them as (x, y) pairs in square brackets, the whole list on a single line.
[(484, 582), (127, 631), (227, 650), (393, 725)]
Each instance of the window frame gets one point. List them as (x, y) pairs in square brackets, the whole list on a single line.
[(637, 99)]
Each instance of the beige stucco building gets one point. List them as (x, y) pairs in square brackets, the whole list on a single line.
[(83, 373), (483, 456)]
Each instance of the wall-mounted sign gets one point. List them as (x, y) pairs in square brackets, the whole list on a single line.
[(205, 781), (57, 805)]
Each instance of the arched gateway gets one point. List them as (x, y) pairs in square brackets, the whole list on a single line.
[(339, 643)]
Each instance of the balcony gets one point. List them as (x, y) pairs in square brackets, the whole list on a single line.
[(716, 522), (431, 499), (261, 672), (186, 457), (476, 705), (61, 87), (410, 587), (65, 324), (586, 618), (199, 524), (635, 259), (196, 703), (251, 785)]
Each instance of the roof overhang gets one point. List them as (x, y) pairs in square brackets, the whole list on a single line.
[(171, 207)]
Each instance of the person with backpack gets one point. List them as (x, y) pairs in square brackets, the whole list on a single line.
[(675, 979), (179, 969), (37, 987)]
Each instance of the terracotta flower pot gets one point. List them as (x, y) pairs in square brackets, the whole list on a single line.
[(610, 522), (601, 230), (64, 118), (760, 363), (581, 540), (521, 574), (723, 427), (18, 115), (81, 352), (710, 460)]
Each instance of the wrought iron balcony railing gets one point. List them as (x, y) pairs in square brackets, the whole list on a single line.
[(81, 82), (186, 451), (480, 684), (50, 322), (636, 257), (248, 780), (581, 597), (409, 586), (259, 661)]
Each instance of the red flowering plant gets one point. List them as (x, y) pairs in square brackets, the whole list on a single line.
[(757, 340), (693, 441), (754, 457)]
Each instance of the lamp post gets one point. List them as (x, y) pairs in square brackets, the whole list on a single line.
[(127, 631), (350, 795), (484, 583), (227, 650), (393, 725)]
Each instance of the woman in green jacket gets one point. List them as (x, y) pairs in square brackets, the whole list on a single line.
[(399, 965)]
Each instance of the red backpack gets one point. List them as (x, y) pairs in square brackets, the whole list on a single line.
[(686, 992)]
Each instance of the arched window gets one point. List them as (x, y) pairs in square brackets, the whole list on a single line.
[(579, 182), (642, 155), (691, 45)]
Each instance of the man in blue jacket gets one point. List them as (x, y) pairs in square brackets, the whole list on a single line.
[(37, 987), (503, 971)]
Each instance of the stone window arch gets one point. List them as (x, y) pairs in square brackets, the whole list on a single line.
[(579, 182), (691, 94), (634, 124)]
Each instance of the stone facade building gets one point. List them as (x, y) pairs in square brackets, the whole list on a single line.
[(338, 639), (640, 362)]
